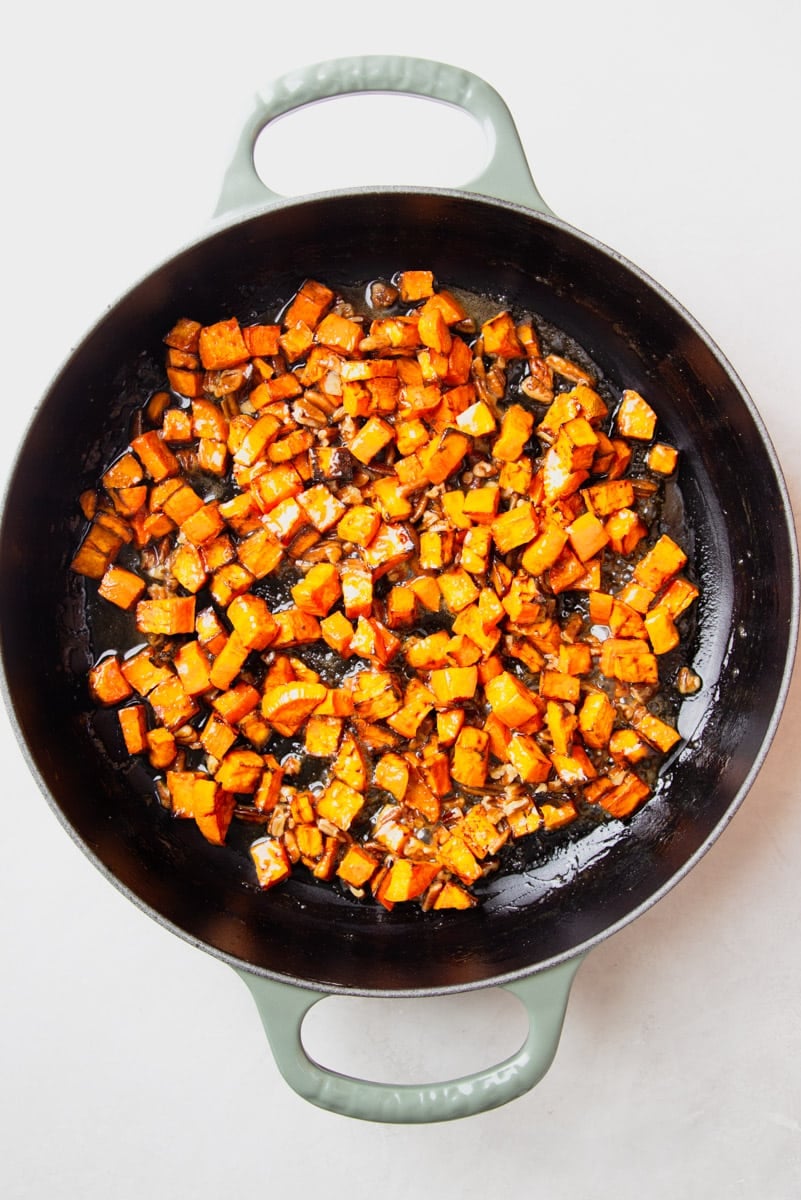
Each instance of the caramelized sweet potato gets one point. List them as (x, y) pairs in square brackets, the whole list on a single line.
[(456, 604)]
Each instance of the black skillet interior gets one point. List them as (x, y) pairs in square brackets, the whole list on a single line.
[(564, 896)]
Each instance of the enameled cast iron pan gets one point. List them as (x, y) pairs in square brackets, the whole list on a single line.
[(301, 941)]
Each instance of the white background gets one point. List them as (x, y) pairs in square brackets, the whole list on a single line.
[(134, 1066)]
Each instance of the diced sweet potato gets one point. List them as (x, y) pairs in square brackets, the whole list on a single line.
[(133, 724), (271, 862), (511, 701), (107, 682), (173, 615), (286, 706)]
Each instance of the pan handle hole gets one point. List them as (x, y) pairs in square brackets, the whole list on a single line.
[(415, 1041), (369, 140)]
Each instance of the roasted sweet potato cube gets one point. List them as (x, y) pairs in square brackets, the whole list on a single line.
[(155, 455), (455, 855), (626, 744), (477, 420), (392, 773), (516, 426), (449, 725), (133, 725), (295, 628), (222, 345), (407, 879), (635, 418), (121, 587), (557, 685), (275, 485), (359, 525), (375, 696), (271, 862), (661, 628), (531, 764), (254, 444), (662, 458), (678, 596), (322, 736), (192, 664), (480, 832), (401, 607), (511, 701), (444, 454), (169, 616), (340, 333), (234, 704), (499, 337), (458, 589), (545, 549), (415, 285), (171, 703), (371, 439), (481, 504), (587, 536), (184, 334), (655, 731), (203, 525), (350, 765), (181, 788), (309, 304), (259, 554), (142, 673), (470, 757), (340, 804), (253, 621), (129, 501), (107, 683), (262, 340), (516, 527), (337, 632), (322, 507), (625, 531), (188, 567), (576, 444), (209, 627), (286, 448), (476, 548), (185, 382), (161, 748), (217, 737), (556, 816), (454, 685), (285, 520), (357, 588), (240, 771), (268, 792), (229, 662), (286, 706), (453, 896), (372, 639), (665, 558), (123, 473), (561, 722), (357, 866), (629, 660), (622, 797)]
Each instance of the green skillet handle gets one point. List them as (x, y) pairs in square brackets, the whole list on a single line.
[(505, 177), (283, 1008)]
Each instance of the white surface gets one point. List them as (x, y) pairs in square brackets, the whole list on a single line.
[(135, 1066)]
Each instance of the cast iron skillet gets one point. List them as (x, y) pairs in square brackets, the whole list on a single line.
[(303, 940)]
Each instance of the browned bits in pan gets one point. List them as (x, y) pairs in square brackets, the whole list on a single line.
[(474, 604)]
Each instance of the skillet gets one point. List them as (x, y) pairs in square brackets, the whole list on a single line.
[(496, 239)]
